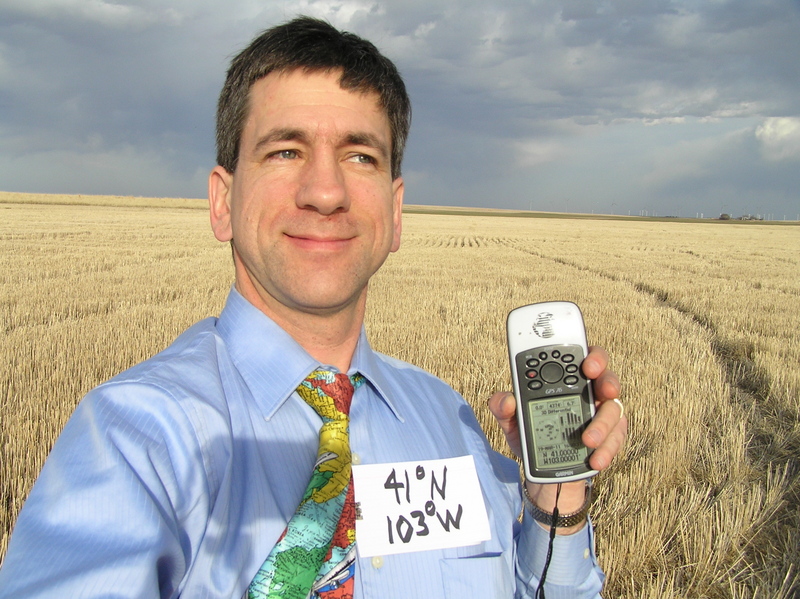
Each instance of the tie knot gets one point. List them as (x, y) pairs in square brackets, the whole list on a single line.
[(329, 393)]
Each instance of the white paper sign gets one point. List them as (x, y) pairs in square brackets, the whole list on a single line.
[(416, 506)]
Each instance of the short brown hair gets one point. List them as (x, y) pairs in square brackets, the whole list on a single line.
[(311, 45)]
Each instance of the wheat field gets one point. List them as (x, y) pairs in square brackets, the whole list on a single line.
[(701, 320)]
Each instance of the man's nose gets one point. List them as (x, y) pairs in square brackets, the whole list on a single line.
[(322, 186)]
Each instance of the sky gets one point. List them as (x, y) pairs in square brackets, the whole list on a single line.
[(642, 107)]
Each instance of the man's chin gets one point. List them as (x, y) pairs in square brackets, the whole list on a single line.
[(323, 303)]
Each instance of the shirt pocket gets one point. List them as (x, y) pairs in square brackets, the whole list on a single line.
[(479, 577)]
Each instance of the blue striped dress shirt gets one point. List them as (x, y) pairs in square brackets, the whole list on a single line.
[(176, 477)]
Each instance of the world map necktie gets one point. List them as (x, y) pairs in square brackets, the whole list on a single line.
[(316, 554)]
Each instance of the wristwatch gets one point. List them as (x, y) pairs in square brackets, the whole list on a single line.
[(563, 520)]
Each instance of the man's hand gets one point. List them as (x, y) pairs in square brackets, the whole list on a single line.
[(605, 434)]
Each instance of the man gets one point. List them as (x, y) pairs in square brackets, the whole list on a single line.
[(181, 476)]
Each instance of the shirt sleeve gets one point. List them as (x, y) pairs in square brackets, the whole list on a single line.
[(573, 571), (102, 518)]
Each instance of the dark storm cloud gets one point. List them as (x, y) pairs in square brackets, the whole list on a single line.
[(516, 104)]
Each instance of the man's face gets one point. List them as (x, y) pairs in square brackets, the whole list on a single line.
[(312, 208)]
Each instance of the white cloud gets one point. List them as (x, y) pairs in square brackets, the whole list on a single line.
[(678, 30), (696, 153), (535, 152), (339, 12), (670, 120), (424, 29), (780, 138)]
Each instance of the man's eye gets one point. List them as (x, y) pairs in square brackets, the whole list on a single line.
[(285, 154), (362, 159)]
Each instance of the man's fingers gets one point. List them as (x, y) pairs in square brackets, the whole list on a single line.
[(504, 408), (605, 382), (606, 434), (605, 420), (606, 386), (603, 455), (595, 362)]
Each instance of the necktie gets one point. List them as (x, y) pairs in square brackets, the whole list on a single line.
[(316, 554)]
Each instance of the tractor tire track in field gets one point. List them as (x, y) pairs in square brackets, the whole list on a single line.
[(750, 385), (774, 435)]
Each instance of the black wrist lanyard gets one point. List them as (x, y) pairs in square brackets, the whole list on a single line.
[(540, 589)]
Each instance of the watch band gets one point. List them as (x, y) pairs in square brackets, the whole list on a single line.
[(565, 520)]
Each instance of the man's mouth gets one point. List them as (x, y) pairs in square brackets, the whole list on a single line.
[(313, 241)]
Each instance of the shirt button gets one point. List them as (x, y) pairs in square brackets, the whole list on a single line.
[(356, 459), (377, 562), (586, 553)]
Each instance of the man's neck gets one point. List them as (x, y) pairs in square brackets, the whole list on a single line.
[(330, 337)]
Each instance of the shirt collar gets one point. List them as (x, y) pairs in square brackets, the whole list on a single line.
[(369, 364), (272, 364)]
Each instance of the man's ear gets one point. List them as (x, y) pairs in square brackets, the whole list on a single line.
[(398, 188), (220, 183)]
